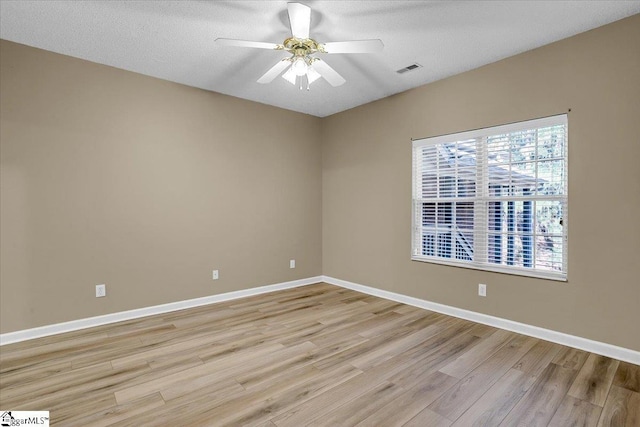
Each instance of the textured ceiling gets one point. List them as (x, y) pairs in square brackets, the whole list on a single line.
[(174, 40)]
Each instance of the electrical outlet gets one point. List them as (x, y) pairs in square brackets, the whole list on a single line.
[(292, 263), (101, 291), (482, 290), (215, 275)]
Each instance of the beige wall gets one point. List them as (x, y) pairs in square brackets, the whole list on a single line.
[(367, 184), (145, 185)]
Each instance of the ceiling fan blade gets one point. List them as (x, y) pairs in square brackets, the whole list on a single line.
[(328, 73), (356, 46), (274, 71), (300, 20), (247, 43)]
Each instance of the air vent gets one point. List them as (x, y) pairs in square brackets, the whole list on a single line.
[(409, 68)]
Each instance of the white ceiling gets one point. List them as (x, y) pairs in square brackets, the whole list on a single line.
[(174, 40)]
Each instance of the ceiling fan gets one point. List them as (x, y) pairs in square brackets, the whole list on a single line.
[(301, 63)]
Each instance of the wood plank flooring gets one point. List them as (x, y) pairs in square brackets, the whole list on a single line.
[(317, 355)]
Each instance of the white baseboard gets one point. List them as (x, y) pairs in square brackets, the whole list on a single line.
[(74, 325), (597, 347)]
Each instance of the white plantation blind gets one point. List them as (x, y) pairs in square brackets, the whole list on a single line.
[(494, 199)]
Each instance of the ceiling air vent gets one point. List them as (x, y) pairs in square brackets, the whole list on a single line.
[(408, 68)]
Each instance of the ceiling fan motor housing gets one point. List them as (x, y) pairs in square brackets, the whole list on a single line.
[(302, 47)]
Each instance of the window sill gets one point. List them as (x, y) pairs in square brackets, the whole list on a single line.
[(559, 277)]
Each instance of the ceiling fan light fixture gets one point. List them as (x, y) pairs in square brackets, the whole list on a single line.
[(290, 76), (299, 66), (312, 75)]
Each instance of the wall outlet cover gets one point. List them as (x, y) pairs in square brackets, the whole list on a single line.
[(482, 290), (101, 291)]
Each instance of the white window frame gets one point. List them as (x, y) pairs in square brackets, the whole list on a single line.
[(481, 201)]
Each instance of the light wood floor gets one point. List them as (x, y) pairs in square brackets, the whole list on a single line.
[(317, 355)]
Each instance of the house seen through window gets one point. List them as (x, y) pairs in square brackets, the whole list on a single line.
[(494, 199)]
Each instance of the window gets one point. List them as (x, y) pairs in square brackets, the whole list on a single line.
[(494, 199)]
